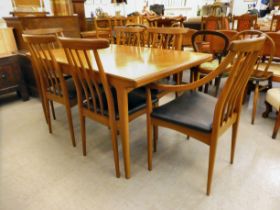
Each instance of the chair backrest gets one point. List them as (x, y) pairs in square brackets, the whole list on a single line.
[(229, 33), (212, 23), (245, 22), (166, 38), (44, 31), (187, 37), (268, 49), (118, 21), (103, 28), (242, 55), (48, 70), (213, 42), (275, 23), (132, 36), (89, 76)]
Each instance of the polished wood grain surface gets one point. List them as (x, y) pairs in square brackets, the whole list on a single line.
[(140, 66)]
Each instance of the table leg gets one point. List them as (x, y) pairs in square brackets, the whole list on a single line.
[(124, 127)]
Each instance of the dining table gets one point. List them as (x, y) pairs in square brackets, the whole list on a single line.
[(128, 68)]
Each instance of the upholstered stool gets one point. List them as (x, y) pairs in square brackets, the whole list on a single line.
[(273, 100)]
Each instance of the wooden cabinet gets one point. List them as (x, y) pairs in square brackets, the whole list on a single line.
[(11, 77)]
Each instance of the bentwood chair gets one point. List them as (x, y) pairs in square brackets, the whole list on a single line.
[(275, 23), (261, 78), (130, 36), (202, 116), (97, 99), (54, 86), (217, 44), (244, 22)]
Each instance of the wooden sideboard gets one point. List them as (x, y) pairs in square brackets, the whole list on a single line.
[(69, 24)]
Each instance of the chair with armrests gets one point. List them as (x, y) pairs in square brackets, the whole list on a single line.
[(261, 78), (131, 36), (97, 99), (53, 84), (275, 23), (216, 43), (244, 22), (202, 116)]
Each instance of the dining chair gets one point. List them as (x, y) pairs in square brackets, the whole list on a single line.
[(272, 100), (97, 99), (261, 78), (275, 23), (244, 22), (54, 85), (212, 23), (200, 115), (103, 28), (216, 43), (130, 36), (45, 31)]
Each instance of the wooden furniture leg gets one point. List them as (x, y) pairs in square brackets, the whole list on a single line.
[(256, 96), (122, 95), (276, 126)]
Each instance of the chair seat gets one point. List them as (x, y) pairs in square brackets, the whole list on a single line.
[(207, 67), (274, 68), (193, 110), (273, 97), (136, 102)]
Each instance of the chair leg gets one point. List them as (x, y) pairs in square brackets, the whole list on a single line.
[(267, 110), (217, 84), (233, 141), (150, 144), (52, 108), (115, 150), (83, 133), (212, 155), (155, 132), (276, 126), (70, 124), (256, 96), (47, 106)]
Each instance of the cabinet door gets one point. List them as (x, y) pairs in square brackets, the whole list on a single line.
[(9, 75)]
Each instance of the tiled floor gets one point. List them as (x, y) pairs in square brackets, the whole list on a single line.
[(39, 170)]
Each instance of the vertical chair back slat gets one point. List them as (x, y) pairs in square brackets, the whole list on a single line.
[(83, 55)]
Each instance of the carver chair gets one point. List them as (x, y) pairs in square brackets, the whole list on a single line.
[(97, 99), (202, 116), (54, 86)]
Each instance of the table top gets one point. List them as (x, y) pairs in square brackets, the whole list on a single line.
[(139, 65)]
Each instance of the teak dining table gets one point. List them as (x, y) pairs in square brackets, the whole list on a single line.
[(129, 67)]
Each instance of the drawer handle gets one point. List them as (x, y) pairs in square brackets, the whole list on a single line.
[(3, 76)]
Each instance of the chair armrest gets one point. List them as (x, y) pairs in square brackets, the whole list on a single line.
[(191, 86)]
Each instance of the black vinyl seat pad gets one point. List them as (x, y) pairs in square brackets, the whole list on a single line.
[(193, 110)]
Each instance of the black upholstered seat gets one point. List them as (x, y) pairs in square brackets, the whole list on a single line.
[(136, 102), (193, 109), (71, 88)]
